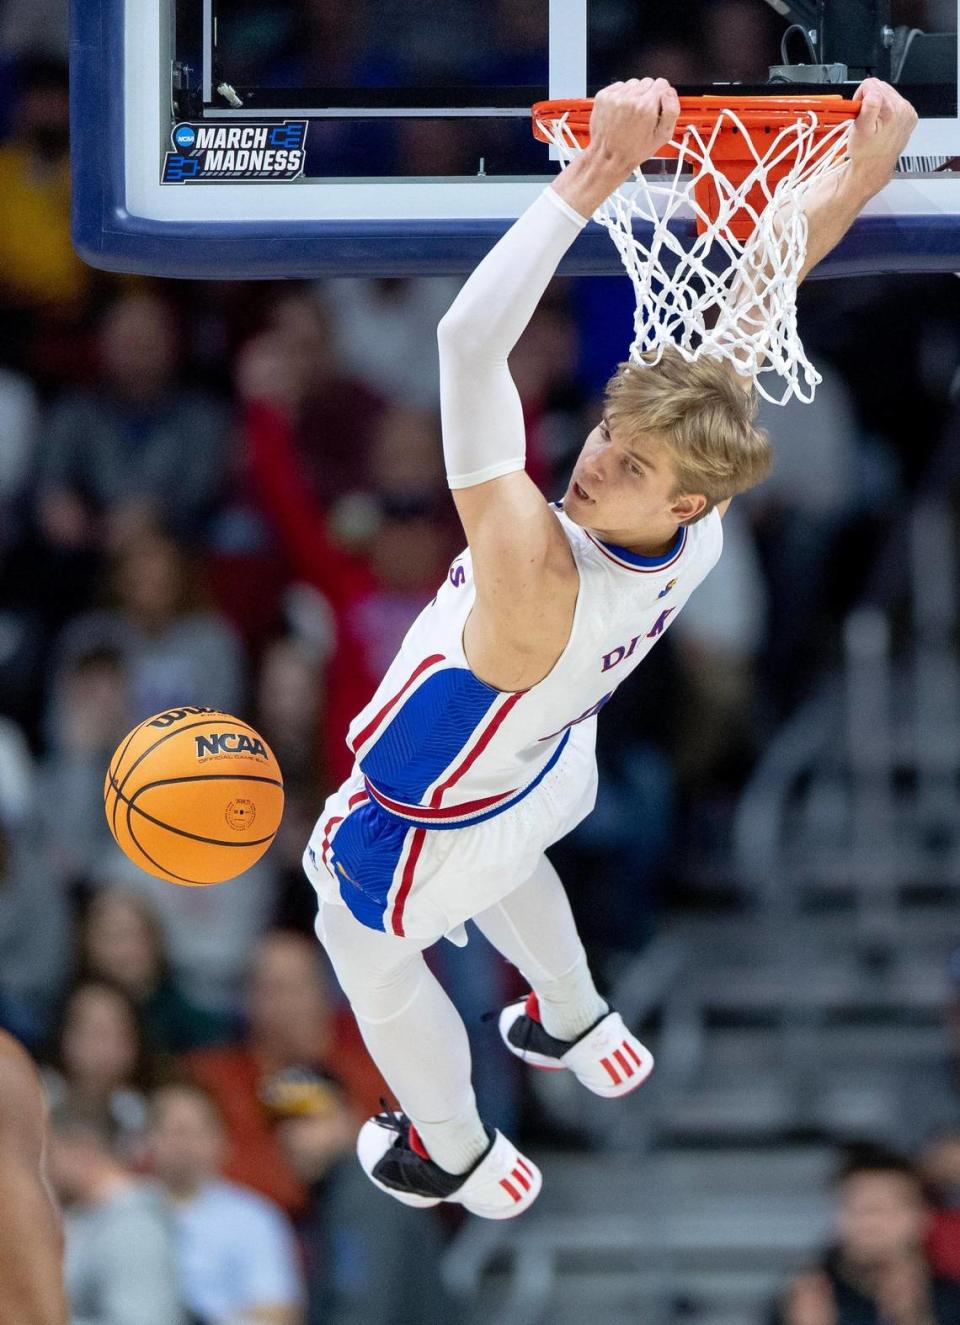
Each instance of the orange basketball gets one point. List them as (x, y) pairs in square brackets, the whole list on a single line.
[(193, 796)]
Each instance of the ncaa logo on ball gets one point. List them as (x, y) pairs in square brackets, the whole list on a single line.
[(184, 137), (229, 743), (241, 814)]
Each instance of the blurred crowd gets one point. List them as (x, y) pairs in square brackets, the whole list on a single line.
[(895, 1257), (232, 495)]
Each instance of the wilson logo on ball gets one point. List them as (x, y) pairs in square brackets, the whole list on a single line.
[(177, 715), (230, 743)]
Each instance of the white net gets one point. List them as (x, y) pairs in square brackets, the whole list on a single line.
[(717, 294)]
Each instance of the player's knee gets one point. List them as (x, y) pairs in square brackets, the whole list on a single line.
[(379, 996), (374, 974)]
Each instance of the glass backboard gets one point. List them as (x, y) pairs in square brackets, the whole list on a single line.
[(233, 138)]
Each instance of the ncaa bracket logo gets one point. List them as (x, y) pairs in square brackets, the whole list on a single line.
[(184, 137), (210, 152)]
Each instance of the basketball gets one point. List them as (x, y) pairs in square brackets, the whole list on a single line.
[(193, 796)]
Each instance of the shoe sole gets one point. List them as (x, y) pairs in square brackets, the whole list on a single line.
[(544, 1064), (617, 1092)]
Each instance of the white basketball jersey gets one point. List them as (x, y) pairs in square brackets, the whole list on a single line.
[(440, 748)]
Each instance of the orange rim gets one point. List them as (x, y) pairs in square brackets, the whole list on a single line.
[(757, 114), (732, 153)]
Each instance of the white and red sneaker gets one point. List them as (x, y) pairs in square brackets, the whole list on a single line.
[(502, 1183), (607, 1058)]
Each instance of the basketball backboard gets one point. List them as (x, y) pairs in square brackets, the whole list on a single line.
[(193, 158)]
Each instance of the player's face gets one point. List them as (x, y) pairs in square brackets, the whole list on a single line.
[(625, 489)]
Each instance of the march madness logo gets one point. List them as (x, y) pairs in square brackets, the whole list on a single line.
[(235, 152)]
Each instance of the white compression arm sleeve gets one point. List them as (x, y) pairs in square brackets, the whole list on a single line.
[(483, 434)]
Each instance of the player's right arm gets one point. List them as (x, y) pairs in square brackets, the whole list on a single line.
[(31, 1245), (516, 543)]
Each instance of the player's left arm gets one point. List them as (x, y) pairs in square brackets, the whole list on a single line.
[(31, 1243), (879, 135)]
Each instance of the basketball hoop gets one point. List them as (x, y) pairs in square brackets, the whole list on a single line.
[(741, 166)]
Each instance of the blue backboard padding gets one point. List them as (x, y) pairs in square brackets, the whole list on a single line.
[(252, 252), (107, 236), (96, 129)]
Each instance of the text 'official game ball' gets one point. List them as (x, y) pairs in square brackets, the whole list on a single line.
[(193, 796)]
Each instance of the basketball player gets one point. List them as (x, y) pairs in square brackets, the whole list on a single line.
[(477, 750), (31, 1244)]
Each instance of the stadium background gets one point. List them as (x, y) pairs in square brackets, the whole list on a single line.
[(232, 495)]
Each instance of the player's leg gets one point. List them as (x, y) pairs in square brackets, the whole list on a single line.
[(408, 1023), (563, 1023), (419, 1043), (533, 927), (31, 1243)]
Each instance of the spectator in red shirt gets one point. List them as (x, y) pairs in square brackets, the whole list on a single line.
[(332, 415), (941, 1168), (297, 1041), (373, 596)]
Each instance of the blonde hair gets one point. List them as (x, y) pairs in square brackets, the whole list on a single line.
[(703, 417)]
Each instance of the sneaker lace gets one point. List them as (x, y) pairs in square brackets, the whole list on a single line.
[(412, 1170), (394, 1120)]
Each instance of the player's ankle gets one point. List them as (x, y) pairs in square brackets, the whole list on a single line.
[(454, 1146), (568, 1020)]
